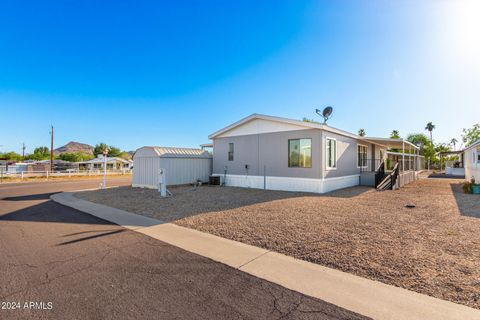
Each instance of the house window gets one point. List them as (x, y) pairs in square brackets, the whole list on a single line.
[(361, 156), (230, 151), (300, 153), (331, 153)]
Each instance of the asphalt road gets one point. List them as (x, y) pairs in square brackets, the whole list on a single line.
[(59, 263)]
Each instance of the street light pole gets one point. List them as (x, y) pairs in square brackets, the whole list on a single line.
[(105, 154)]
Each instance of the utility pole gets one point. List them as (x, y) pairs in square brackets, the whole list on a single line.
[(23, 151), (51, 153)]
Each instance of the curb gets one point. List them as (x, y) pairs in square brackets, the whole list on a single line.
[(364, 296)]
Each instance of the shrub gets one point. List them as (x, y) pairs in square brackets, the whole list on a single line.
[(467, 187)]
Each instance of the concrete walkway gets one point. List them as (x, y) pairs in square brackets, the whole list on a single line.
[(364, 296)]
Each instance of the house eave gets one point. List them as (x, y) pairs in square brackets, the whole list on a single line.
[(306, 125)]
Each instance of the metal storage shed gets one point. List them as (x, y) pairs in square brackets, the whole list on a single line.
[(181, 166)]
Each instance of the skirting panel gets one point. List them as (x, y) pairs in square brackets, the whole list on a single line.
[(291, 184)]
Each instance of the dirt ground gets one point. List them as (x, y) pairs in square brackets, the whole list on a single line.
[(433, 248)]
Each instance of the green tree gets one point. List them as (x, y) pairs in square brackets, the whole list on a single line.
[(418, 139), (471, 135), (12, 156), (309, 120), (112, 151), (430, 152), (454, 143), (125, 155), (430, 126), (99, 147), (361, 133), (395, 134), (442, 147), (40, 153), (75, 156)]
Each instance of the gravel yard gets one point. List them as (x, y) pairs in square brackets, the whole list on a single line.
[(433, 248)]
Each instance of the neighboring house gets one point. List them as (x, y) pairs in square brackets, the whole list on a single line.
[(471, 158), (58, 165), (113, 163), (180, 166), (39, 166), (276, 153), (453, 161)]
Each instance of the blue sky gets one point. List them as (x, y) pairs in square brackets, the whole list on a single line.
[(134, 73)]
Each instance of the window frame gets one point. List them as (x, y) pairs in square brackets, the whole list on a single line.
[(366, 155), (327, 167), (311, 157), (232, 152)]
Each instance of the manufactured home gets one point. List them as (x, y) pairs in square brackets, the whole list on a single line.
[(113, 163), (471, 158), (276, 153)]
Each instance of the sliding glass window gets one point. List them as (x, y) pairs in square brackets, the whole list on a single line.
[(331, 153), (230, 151), (361, 156), (300, 153)]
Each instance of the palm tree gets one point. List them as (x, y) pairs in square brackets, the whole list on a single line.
[(395, 134), (361, 132), (454, 142), (430, 126)]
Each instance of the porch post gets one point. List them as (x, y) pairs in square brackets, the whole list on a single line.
[(409, 158), (403, 156)]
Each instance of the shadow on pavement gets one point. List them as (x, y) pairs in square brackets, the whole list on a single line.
[(41, 196), (50, 211), (446, 176), (92, 237)]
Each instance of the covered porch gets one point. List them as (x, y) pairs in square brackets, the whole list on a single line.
[(398, 163), (452, 163)]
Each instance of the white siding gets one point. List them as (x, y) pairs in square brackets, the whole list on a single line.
[(472, 166), (258, 126)]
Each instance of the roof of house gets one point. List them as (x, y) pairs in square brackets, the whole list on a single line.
[(385, 142), (173, 152), (390, 143), (300, 123), (473, 145)]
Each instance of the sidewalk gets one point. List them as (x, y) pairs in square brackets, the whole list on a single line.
[(364, 296)]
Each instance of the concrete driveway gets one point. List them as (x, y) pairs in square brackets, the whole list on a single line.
[(59, 263)]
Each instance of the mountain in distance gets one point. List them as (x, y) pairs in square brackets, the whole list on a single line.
[(73, 146)]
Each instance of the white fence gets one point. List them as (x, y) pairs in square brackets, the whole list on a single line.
[(9, 175)]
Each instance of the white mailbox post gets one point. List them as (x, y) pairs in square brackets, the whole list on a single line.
[(162, 185)]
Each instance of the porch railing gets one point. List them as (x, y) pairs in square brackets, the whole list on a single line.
[(369, 165)]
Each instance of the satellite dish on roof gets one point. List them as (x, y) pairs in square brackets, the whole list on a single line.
[(326, 113)]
